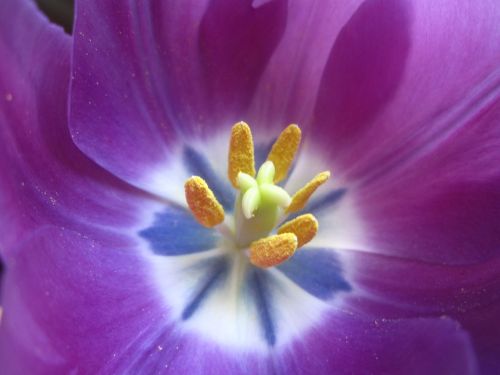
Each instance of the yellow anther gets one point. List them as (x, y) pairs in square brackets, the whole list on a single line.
[(284, 150), (241, 156), (201, 200), (300, 198), (304, 227), (273, 250)]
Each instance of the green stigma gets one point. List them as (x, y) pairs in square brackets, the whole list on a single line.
[(258, 204)]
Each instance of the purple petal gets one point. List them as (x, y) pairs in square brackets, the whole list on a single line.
[(73, 303), (78, 305), (146, 75), (401, 77), (395, 288), (44, 177)]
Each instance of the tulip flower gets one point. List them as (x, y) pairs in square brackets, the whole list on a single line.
[(251, 187)]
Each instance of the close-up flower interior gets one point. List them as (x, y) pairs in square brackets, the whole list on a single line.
[(250, 187)]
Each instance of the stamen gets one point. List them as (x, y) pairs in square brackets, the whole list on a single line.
[(283, 151), (241, 154), (304, 227), (202, 202), (300, 198), (273, 250)]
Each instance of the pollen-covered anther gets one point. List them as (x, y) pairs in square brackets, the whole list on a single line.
[(202, 202), (304, 227), (301, 197), (273, 250), (283, 151), (241, 153)]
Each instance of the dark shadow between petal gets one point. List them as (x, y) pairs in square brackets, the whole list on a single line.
[(58, 11), (236, 41), (363, 71)]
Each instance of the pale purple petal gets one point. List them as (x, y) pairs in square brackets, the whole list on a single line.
[(149, 74)]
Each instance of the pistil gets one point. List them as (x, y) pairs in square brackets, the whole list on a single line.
[(259, 205)]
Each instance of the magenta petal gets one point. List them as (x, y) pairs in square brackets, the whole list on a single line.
[(236, 40), (43, 176), (148, 74), (445, 207), (411, 103), (401, 77), (364, 69), (348, 345), (395, 287)]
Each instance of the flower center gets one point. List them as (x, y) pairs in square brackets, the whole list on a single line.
[(257, 208), (261, 204)]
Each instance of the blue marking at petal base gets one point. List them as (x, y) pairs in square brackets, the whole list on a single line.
[(318, 271), (176, 232), (258, 280), (198, 165), (216, 271), (326, 201), (318, 205)]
